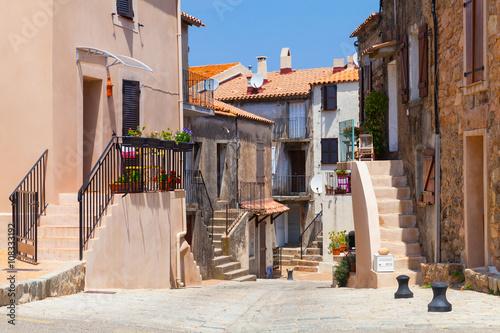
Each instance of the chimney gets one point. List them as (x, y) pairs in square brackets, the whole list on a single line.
[(338, 65), (262, 67), (285, 61), (350, 62)]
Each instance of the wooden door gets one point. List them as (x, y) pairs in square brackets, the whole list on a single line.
[(262, 249), (298, 169)]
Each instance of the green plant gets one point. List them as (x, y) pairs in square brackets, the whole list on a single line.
[(132, 177), (427, 286), (375, 109), (170, 177), (137, 132), (337, 239), (490, 291), (341, 172), (341, 274), (184, 136), (153, 134), (497, 292), (468, 287), (347, 132), (167, 135)]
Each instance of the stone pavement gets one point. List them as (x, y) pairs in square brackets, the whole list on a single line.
[(262, 306)]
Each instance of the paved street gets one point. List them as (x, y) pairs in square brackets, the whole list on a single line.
[(265, 305)]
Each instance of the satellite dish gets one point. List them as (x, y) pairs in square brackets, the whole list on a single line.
[(256, 81), (317, 184), (211, 84), (355, 59)]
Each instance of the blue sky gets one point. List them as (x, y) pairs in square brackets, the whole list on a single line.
[(316, 31)]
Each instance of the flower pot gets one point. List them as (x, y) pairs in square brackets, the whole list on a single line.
[(336, 252), (151, 142), (343, 248), (166, 144), (123, 187), (167, 186), (343, 175), (185, 146), (132, 141)]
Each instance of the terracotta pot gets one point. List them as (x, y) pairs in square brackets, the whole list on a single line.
[(167, 186), (336, 252), (343, 248), (122, 187)]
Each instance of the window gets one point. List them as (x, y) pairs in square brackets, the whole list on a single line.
[(474, 42), (329, 97), (329, 151), (130, 107), (124, 8), (273, 160), (413, 65)]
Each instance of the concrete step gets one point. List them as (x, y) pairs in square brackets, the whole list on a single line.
[(217, 252), (319, 238), (287, 262), (408, 235), (392, 192), (73, 209), (217, 237), (316, 245), (404, 262), (58, 231), (58, 254), (312, 257), (222, 214), (217, 244), (59, 243), (287, 257), (393, 167), (388, 181), (217, 229), (221, 222), (60, 220), (68, 198), (395, 206), (401, 248), (306, 263), (388, 279), (235, 274), (398, 220), (306, 269), (245, 278), (229, 266), (290, 251), (220, 260), (313, 251)]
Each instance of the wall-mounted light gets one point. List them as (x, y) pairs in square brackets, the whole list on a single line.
[(109, 87)]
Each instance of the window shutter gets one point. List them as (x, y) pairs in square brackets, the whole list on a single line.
[(369, 77), (125, 9), (261, 175), (429, 176), (468, 8), (362, 94), (334, 152), (329, 151), (422, 57), (403, 56), (331, 97), (324, 151), (478, 64), (130, 107)]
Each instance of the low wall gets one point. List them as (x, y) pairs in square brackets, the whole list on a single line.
[(203, 249), (236, 243)]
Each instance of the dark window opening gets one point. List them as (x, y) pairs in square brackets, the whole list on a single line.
[(130, 108), (125, 9), (330, 97), (329, 151)]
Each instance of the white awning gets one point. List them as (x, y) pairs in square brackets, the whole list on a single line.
[(87, 52)]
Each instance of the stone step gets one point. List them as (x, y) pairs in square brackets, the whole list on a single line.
[(392, 192), (217, 252), (222, 214), (68, 198), (58, 231), (301, 262), (388, 181), (221, 222), (306, 269), (392, 167), (408, 235), (312, 257), (287, 257), (58, 254), (290, 251), (249, 277), (412, 262), (217, 237), (229, 266), (60, 220), (398, 220), (316, 245), (221, 260), (401, 248), (59, 243), (395, 206), (287, 262), (235, 274), (217, 244), (73, 209), (319, 238), (388, 279), (217, 229), (313, 251)]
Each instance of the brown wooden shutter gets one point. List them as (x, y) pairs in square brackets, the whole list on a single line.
[(422, 60), (130, 105), (361, 94), (478, 64), (429, 172), (403, 56), (331, 97), (469, 45), (261, 174), (125, 9), (329, 151), (369, 78)]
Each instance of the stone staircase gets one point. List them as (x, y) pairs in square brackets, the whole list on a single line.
[(313, 255), (398, 230), (225, 268)]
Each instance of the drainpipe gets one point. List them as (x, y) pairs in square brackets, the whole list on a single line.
[(179, 64), (437, 151), (179, 250)]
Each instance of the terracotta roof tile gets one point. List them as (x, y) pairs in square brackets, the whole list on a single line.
[(265, 207), (211, 70), (225, 109), (348, 75), (279, 86), (363, 25), (191, 20)]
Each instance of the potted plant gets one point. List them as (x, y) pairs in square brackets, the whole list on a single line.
[(167, 139), (421, 196), (167, 181), (341, 273), (342, 173), (130, 183), (183, 139), (338, 242), (329, 189), (134, 138), (152, 140)]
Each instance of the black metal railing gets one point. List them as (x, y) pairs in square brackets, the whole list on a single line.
[(195, 90), (316, 227), (191, 186), (28, 204), (128, 164), (197, 192), (290, 185), (233, 212), (252, 195), (277, 260), (337, 183), (291, 128)]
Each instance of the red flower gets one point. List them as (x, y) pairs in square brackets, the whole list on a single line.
[(163, 171), (169, 180), (178, 181), (154, 179)]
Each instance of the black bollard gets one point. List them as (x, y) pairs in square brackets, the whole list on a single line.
[(403, 290), (439, 303), (290, 274)]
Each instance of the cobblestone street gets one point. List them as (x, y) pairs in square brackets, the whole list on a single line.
[(262, 306)]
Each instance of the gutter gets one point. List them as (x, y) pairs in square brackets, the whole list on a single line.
[(179, 64)]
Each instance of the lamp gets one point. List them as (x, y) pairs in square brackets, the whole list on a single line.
[(109, 87)]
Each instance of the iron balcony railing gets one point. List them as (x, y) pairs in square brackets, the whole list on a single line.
[(291, 185), (291, 128), (28, 204), (129, 164), (252, 195), (337, 183), (195, 90), (310, 233)]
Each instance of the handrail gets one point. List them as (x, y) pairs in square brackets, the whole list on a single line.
[(209, 202), (312, 238)]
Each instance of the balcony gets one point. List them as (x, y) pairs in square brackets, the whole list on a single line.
[(253, 195), (198, 101), (337, 183), (291, 129), (291, 186)]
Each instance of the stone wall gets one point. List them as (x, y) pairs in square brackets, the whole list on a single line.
[(461, 112)]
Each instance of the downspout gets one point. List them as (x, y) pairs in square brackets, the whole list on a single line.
[(437, 151), (179, 64), (179, 250)]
